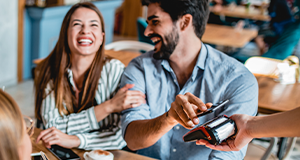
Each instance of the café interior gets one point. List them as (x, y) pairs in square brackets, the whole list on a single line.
[(31, 29)]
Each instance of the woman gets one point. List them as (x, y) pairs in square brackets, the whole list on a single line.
[(15, 142), (75, 83)]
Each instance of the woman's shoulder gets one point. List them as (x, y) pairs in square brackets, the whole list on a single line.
[(113, 64)]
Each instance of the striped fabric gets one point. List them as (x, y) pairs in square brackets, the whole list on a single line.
[(106, 134)]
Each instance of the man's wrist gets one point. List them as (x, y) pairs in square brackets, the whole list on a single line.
[(170, 120)]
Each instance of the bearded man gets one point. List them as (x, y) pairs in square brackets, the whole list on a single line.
[(181, 78)]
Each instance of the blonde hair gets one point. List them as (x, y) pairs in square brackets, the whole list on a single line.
[(11, 127)]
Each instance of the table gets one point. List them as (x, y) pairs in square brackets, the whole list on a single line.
[(227, 36), (275, 97), (124, 56), (118, 154), (241, 12)]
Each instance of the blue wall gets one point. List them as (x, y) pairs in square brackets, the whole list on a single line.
[(42, 27)]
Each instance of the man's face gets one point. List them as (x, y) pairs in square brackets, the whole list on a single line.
[(162, 31)]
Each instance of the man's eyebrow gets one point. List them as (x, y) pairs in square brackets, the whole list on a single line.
[(151, 17)]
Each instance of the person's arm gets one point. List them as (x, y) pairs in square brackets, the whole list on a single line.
[(144, 133), (94, 118), (107, 139), (140, 130), (285, 124)]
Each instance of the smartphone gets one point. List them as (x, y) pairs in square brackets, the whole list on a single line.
[(214, 107), (39, 156), (63, 153)]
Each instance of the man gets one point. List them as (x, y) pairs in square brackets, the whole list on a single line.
[(178, 78)]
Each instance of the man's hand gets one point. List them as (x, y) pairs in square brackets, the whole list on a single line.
[(185, 109), (53, 136), (241, 139)]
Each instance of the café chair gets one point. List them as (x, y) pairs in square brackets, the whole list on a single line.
[(257, 152), (261, 66), (129, 46)]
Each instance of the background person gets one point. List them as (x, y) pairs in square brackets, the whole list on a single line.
[(179, 77), (284, 124), (15, 142), (76, 86)]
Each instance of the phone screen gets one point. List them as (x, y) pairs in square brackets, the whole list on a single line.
[(37, 157), (63, 153)]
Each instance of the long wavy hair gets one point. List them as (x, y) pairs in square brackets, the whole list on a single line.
[(52, 70), (11, 127)]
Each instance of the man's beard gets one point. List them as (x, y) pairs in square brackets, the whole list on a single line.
[(167, 48)]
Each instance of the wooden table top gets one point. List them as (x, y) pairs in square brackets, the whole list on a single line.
[(124, 56), (227, 36), (275, 97), (118, 154), (242, 12)]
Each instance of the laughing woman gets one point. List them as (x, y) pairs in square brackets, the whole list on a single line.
[(76, 86)]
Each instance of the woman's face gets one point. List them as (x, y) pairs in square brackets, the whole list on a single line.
[(25, 147), (85, 34)]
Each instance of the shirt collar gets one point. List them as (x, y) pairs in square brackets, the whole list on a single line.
[(70, 77), (199, 64)]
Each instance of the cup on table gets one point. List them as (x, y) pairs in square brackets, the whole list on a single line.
[(98, 154)]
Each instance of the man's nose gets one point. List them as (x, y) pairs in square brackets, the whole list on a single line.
[(148, 31)]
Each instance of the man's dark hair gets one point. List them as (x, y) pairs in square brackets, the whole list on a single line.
[(199, 9)]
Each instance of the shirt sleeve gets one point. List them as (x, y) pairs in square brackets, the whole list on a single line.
[(134, 74), (242, 91), (108, 140)]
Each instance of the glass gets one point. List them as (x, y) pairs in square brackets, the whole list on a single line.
[(29, 125)]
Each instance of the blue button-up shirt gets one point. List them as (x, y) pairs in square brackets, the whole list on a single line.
[(215, 77)]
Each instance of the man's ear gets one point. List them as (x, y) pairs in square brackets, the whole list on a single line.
[(186, 21)]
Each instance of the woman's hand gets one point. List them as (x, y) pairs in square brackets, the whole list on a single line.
[(126, 98), (53, 136), (241, 139)]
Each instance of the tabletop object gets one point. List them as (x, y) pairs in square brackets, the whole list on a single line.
[(227, 36), (118, 154)]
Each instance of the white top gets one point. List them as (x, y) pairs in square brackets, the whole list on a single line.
[(106, 134)]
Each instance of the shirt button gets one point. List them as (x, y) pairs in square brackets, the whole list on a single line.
[(174, 150), (177, 127), (175, 80)]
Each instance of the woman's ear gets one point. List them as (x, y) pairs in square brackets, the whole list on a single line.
[(186, 21)]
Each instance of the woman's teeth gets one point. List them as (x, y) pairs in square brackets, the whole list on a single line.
[(86, 41)]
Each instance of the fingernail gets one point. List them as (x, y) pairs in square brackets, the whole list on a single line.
[(196, 120), (190, 123), (203, 108)]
